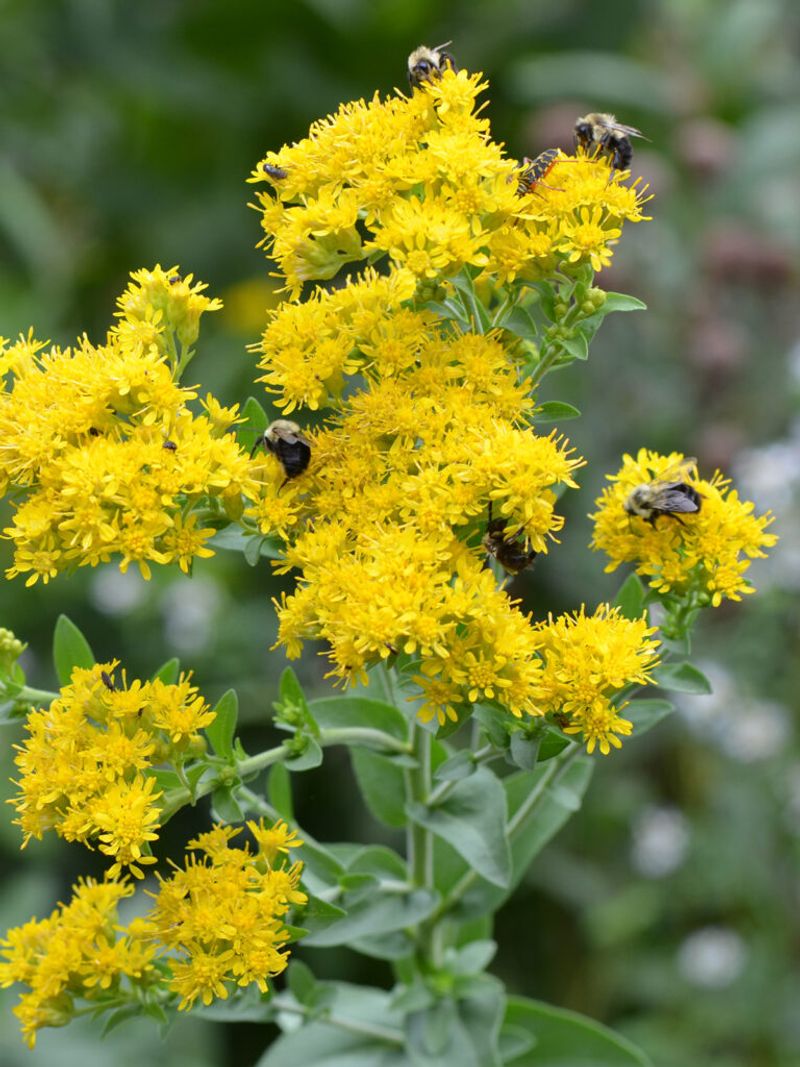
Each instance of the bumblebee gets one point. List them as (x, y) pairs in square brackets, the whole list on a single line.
[(425, 64), (510, 553), (276, 173), (286, 442), (670, 496), (534, 171), (601, 133)]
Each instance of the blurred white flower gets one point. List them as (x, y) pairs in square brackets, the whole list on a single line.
[(712, 957), (744, 728), (660, 841), (115, 593), (190, 611)]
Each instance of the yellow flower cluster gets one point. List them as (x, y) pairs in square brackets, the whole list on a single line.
[(84, 766), (390, 516), (706, 553), (418, 179), (221, 918), (586, 660), (76, 954), (430, 436), (103, 443), (216, 922)]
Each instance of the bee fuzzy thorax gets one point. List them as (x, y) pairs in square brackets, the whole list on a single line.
[(600, 133), (425, 64), (286, 441)]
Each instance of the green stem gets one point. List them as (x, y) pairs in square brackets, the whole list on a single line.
[(418, 785), (364, 736), (557, 768), (35, 696)]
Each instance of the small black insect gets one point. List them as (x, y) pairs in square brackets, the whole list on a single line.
[(276, 173), (170, 446), (108, 681)]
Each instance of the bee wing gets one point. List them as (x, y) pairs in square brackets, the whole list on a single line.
[(628, 131), (673, 499), (290, 437)]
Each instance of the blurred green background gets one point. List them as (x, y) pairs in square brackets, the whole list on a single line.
[(668, 908)]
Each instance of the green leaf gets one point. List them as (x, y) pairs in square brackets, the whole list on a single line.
[(566, 1039), (376, 913), (553, 742), (335, 713), (521, 323), (461, 765), (472, 958), (225, 806), (252, 550), (381, 862), (233, 539), (220, 732), (682, 678), (644, 714), (396, 945), (622, 302), (524, 750), (291, 692), (472, 818), (577, 345), (169, 672), (309, 758), (380, 781), (256, 420), (321, 1044), (322, 870), (279, 791), (318, 914), (494, 723), (70, 649), (561, 798), (301, 981), (555, 411), (630, 598)]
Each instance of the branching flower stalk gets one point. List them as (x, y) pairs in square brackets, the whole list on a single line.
[(429, 291)]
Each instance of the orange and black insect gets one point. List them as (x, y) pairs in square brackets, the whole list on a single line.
[(534, 171)]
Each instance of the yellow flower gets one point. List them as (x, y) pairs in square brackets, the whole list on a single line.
[(587, 659), (103, 442), (588, 238), (221, 916), (86, 765), (706, 553), (74, 954)]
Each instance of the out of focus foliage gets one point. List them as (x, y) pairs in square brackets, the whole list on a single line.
[(128, 132)]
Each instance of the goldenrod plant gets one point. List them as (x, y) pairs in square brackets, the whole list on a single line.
[(431, 282)]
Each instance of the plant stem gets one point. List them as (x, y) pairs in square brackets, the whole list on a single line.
[(557, 768), (418, 784), (34, 696)]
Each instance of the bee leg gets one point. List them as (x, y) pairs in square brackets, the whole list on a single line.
[(259, 444)]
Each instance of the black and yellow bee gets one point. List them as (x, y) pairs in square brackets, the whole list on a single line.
[(425, 64), (669, 496), (512, 553), (601, 133), (285, 440)]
